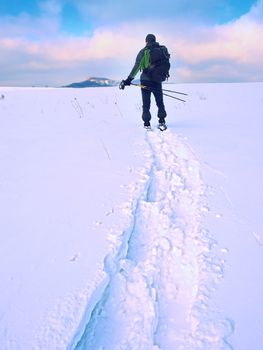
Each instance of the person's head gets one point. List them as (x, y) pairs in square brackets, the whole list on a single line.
[(150, 38)]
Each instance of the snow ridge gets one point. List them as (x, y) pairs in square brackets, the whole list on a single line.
[(160, 279)]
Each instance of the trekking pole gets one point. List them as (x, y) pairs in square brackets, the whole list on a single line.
[(150, 89), (176, 98), (174, 92)]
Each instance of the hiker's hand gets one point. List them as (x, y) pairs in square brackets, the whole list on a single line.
[(122, 85), (127, 81)]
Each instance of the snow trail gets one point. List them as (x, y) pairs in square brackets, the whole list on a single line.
[(157, 296)]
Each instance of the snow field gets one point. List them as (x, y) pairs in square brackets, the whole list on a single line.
[(114, 238), (160, 280), (64, 174)]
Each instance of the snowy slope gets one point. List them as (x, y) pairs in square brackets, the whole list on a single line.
[(161, 279), (115, 238)]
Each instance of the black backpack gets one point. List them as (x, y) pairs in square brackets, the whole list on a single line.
[(159, 67)]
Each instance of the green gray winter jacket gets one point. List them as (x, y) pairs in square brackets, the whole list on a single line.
[(142, 62)]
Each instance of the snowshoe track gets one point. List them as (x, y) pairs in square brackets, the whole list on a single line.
[(160, 279)]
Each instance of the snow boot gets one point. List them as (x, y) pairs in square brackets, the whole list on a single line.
[(162, 126)]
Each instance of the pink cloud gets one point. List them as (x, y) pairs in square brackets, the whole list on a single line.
[(201, 50)]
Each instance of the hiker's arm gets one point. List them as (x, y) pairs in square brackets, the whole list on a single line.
[(137, 64)]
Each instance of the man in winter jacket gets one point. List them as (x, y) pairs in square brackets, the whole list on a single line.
[(149, 86)]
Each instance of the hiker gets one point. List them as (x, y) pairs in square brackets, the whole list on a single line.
[(149, 82)]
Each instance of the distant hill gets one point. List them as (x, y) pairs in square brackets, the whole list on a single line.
[(93, 82)]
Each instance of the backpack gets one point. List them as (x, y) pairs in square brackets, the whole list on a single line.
[(159, 63)]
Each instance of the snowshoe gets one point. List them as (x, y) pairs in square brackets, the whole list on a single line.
[(162, 126)]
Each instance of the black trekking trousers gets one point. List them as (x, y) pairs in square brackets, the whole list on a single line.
[(156, 89)]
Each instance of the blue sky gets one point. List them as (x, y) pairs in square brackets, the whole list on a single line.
[(78, 14), (54, 42)]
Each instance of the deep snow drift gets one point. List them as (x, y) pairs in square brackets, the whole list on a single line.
[(117, 238)]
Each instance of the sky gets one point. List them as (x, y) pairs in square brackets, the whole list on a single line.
[(56, 42)]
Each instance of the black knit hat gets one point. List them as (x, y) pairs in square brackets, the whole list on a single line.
[(150, 38)]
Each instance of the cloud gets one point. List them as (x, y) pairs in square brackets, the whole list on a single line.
[(34, 50), (256, 13), (232, 51), (29, 27)]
